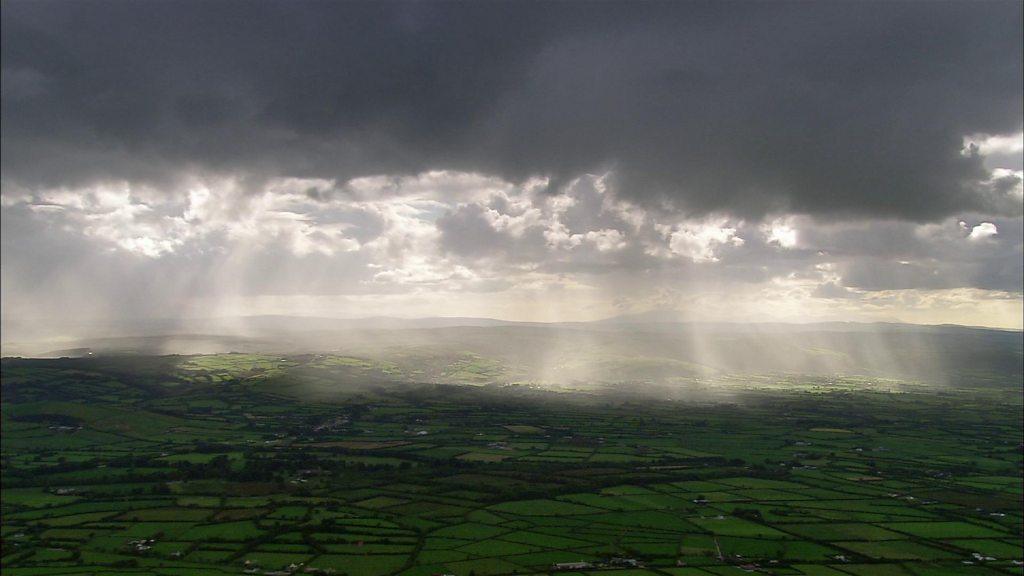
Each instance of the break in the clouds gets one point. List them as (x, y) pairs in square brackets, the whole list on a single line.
[(785, 161)]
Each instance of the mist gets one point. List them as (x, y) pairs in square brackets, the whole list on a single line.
[(616, 354)]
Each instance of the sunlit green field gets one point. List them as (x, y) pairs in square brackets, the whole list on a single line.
[(219, 464)]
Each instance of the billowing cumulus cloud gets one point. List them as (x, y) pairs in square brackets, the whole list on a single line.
[(700, 241), (442, 235), (983, 231), (538, 161)]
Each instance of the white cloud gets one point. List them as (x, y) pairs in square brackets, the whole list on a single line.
[(386, 236), (699, 241), (557, 235), (418, 270), (983, 231), (606, 240), (781, 233), (512, 213), (988, 144), (113, 214)]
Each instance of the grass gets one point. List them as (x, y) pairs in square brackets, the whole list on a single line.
[(343, 481)]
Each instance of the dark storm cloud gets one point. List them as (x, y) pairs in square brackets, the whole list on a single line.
[(831, 109)]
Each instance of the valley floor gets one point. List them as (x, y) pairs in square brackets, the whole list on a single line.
[(242, 463)]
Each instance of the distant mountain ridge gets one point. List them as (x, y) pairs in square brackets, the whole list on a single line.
[(618, 349), (246, 325)]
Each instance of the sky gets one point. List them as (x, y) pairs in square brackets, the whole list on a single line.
[(569, 161)]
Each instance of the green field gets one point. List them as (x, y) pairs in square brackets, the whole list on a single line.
[(221, 464)]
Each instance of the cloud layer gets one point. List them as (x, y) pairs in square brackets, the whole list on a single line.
[(828, 109), (523, 160), (456, 243)]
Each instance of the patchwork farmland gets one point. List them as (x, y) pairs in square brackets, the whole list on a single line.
[(251, 463)]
